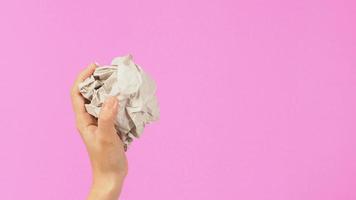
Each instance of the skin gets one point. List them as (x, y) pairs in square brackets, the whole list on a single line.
[(104, 146)]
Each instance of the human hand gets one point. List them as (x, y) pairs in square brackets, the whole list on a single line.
[(104, 146)]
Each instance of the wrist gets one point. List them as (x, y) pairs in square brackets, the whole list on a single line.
[(106, 187), (104, 191)]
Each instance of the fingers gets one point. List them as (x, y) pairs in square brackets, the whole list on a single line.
[(77, 99), (107, 117), (85, 73), (83, 118)]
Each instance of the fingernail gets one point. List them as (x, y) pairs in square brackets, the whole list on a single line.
[(92, 65), (110, 102), (115, 103)]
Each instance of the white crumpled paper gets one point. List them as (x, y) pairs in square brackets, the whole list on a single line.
[(134, 89)]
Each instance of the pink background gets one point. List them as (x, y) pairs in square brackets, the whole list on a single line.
[(257, 97)]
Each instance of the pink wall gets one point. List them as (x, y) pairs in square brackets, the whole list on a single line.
[(257, 97)]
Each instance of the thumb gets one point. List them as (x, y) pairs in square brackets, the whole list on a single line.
[(107, 116)]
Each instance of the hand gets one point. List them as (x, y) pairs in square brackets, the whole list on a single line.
[(105, 148)]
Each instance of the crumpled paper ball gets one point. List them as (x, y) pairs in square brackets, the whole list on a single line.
[(135, 92)]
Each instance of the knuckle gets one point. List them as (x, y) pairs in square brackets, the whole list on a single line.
[(105, 116), (79, 128), (105, 141), (79, 124), (72, 93), (73, 90)]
